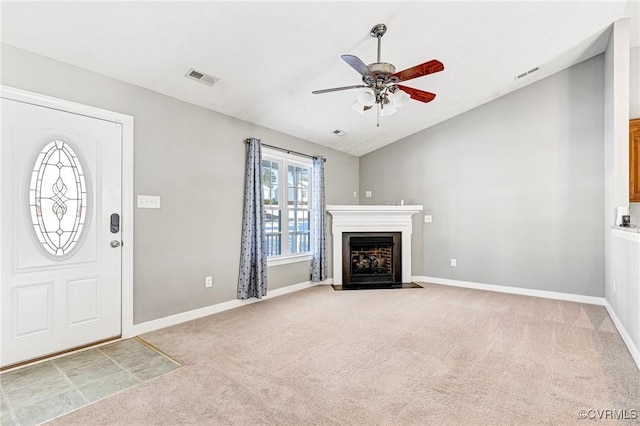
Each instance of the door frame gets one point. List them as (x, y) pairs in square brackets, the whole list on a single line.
[(126, 121)]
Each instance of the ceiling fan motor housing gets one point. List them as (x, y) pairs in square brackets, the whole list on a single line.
[(381, 69)]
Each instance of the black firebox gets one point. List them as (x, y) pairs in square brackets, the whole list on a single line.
[(371, 258)]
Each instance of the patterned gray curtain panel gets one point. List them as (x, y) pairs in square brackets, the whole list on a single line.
[(252, 279), (319, 227)]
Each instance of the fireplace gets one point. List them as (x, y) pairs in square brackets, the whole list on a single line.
[(371, 258), (367, 220)]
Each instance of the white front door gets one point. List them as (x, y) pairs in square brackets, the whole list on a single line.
[(60, 253)]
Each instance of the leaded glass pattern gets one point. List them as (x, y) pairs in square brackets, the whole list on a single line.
[(58, 198)]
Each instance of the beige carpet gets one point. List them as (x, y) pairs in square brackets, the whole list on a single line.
[(438, 355)]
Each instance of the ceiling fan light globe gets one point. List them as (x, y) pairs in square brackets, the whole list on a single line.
[(388, 109), (357, 107), (400, 98), (366, 97)]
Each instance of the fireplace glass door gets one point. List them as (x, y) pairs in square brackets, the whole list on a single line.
[(371, 258)]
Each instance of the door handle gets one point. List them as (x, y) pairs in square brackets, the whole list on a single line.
[(115, 243), (115, 223)]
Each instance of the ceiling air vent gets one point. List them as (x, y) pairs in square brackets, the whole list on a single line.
[(524, 74), (339, 132), (201, 77)]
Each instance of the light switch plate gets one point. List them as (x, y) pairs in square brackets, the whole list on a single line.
[(428, 218), (367, 194), (148, 201)]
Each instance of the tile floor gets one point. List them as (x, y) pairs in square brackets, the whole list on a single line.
[(40, 392)]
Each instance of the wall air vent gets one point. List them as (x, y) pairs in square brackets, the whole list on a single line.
[(201, 77), (524, 74)]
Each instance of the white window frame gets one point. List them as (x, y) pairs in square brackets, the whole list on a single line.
[(285, 160)]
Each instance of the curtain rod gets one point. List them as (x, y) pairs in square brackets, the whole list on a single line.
[(288, 151)]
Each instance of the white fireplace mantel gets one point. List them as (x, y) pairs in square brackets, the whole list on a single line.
[(363, 218)]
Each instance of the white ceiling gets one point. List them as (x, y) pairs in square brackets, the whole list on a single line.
[(269, 56)]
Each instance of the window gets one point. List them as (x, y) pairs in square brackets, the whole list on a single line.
[(58, 198), (286, 183)]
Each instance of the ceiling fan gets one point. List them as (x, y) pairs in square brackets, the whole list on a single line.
[(381, 82)]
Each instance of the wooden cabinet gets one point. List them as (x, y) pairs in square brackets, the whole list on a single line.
[(634, 160)]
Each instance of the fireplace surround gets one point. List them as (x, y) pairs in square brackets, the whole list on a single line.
[(372, 219)]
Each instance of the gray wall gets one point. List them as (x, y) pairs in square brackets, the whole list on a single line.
[(515, 187), (194, 159)]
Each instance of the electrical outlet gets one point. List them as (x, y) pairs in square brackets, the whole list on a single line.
[(367, 194), (355, 194), (453, 262), (208, 281)]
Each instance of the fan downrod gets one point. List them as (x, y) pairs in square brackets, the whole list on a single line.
[(377, 32), (379, 68)]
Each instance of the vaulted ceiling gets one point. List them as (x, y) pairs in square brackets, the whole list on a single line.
[(270, 56)]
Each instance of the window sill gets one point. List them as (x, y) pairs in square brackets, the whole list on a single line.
[(284, 260)]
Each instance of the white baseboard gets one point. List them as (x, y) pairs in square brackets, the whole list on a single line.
[(592, 300), (635, 352), (146, 327)]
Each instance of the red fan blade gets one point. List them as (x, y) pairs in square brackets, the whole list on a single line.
[(418, 71), (359, 66), (417, 94)]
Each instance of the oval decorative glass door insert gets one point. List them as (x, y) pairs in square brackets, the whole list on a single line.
[(58, 198)]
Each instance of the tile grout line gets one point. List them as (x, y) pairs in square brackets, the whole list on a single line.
[(74, 387), (87, 403), (11, 410), (88, 383), (46, 396), (122, 368), (64, 375)]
